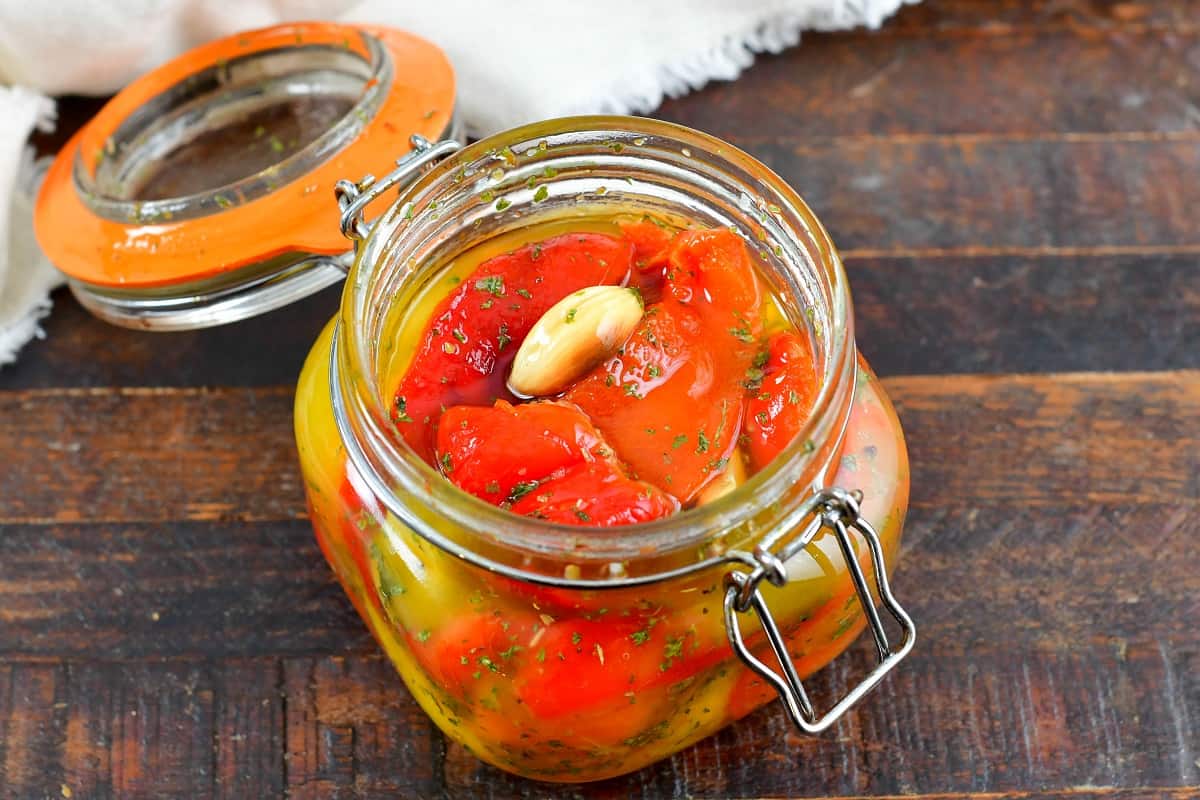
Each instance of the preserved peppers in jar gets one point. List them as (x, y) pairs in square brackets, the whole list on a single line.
[(580, 579)]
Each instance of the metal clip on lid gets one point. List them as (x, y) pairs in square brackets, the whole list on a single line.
[(836, 510), (353, 198)]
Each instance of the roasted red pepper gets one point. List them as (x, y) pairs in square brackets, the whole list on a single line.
[(598, 495), (671, 401), (781, 398), (583, 663), (475, 331), (543, 460)]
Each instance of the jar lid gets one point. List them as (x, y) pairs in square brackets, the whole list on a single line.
[(202, 193)]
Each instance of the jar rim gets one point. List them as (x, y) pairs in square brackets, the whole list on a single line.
[(392, 468)]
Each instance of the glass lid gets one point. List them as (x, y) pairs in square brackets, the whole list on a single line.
[(202, 192)]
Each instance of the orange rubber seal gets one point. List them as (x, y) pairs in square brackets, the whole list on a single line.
[(300, 216)]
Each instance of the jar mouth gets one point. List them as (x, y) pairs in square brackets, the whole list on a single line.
[(275, 113), (581, 166)]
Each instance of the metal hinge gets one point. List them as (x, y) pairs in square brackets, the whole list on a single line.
[(354, 197), (834, 510)]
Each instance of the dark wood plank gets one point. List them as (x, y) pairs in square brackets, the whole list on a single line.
[(921, 316), (1017, 77), (1098, 156), (1029, 441), (353, 731), (105, 730), (993, 721), (80, 350), (151, 590), (96, 455), (33, 712), (152, 454), (1030, 196), (1002, 17), (250, 728)]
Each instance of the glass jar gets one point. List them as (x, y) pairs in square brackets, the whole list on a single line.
[(570, 654)]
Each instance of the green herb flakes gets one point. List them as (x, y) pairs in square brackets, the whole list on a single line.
[(492, 284), (520, 489), (742, 334), (401, 414)]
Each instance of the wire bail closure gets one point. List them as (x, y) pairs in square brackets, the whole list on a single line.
[(836, 510), (353, 198)]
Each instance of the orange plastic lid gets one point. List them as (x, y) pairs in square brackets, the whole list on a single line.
[(102, 217)]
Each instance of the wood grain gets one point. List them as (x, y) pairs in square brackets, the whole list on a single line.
[(81, 351), (149, 454), (1023, 76), (1083, 162), (98, 455), (922, 316), (1030, 441), (1003, 17), (994, 721), (880, 197), (184, 590), (352, 726)]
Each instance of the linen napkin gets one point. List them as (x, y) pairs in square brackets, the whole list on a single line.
[(516, 61)]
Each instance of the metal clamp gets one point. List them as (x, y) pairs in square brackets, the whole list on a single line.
[(835, 510), (353, 198)]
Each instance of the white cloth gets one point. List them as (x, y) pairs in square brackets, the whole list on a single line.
[(26, 278), (516, 61)]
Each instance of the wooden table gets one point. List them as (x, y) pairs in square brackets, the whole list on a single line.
[(1015, 187)]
